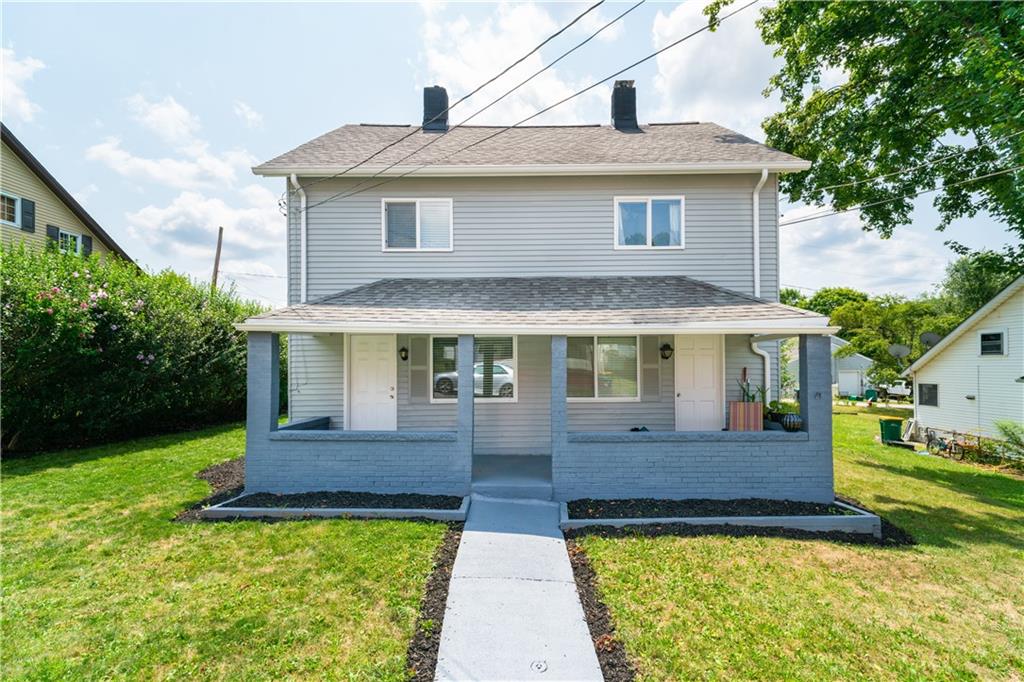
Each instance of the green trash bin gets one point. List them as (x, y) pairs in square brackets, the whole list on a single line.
[(892, 428), (871, 394)]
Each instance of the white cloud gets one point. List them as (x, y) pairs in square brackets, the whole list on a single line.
[(188, 225), (172, 122), (198, 167), (716, 77), (592, 21), (83, 195), (461, 55), (249, 116), (836, 251), (14, 73)]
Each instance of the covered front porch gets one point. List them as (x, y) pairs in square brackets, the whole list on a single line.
[(598, 411)]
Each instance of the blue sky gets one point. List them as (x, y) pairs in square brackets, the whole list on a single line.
[(152, 114)]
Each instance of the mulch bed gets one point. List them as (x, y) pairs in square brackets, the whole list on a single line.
[(227, 480), (344, 499), (421, 657), (611, 654), (646, 508)]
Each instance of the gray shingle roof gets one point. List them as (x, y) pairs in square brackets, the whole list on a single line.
[(547, 303), (547, 146)]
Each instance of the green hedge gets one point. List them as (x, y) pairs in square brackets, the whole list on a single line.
[(94, 350)]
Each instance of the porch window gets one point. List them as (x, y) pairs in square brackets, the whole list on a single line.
[(416, 224), (602, 367), (494, 368), (649, 222)]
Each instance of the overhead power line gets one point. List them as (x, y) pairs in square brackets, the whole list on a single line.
[(908, 196), (462, 99), (436, 138), (920, 165), (504, 129)]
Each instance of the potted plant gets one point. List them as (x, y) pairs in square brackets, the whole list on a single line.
[(747, 414)]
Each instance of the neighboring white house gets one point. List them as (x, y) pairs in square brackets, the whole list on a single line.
[(974, 377), (849, 373)]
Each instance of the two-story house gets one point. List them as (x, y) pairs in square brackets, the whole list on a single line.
[(36, 210), (572, 306)]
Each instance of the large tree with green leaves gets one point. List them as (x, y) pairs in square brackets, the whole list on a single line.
[(930, 95), (974, 279)]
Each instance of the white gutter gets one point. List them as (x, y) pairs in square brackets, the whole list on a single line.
[(498, 170), (767, 359), (757, 239), (302, 237)]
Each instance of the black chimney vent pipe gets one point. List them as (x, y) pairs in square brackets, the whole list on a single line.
[(624, 107), (435, 109)]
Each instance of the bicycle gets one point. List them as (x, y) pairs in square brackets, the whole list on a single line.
[(940, 446)]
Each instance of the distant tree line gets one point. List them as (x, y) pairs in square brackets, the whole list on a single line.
[(872, 324)]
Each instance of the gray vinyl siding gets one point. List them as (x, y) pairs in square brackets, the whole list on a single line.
[(537, 226), (316, 377)]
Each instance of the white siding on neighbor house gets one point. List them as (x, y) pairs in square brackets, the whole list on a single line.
[(316, 386), (960, 370), (521, 227)]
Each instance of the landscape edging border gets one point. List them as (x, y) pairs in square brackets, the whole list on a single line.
[(225, 511), (860, 522)]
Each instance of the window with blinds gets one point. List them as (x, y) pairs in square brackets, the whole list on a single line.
[(603, 367), (494, 368), (417, 224)]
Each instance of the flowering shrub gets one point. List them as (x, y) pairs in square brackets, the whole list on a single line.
[(95, 350)]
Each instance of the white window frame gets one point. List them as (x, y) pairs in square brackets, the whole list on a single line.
[(648, 200), (596, 398), (1005, 342), (476, 399), (917, 393), (78, 240), (17, 210), (417, 249)]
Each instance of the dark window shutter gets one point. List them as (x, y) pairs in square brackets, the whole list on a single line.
[(650, 365), (86, 245), (53, 233), (419, 370), (28, 215)]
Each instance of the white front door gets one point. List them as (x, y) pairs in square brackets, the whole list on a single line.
[(373, 380), (699, 399)]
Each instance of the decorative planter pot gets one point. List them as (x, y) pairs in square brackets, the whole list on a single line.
[(746, 416), (792, 422)]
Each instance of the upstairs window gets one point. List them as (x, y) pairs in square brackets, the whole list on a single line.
[(10, 209), (649, 222), (416, 224), (992, 343), (70, 242)]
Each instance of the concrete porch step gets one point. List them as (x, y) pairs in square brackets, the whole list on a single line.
[(512, 476), (512, 490)]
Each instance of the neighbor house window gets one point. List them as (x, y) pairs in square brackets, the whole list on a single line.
[(992, 343), (70, 242), (494, 368), (10, 209), (417, 224), (649, 222), (928, 394), (602, 367)]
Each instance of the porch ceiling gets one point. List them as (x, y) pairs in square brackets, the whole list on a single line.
[(541, 305)]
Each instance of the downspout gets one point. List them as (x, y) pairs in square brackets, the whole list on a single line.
[(757, 232), (302, 237), (767, 366)]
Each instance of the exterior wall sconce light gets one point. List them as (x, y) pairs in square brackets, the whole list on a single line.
[(403, 353), (666, 351)]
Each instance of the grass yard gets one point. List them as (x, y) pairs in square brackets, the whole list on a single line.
[(98, 583), (951, 607)]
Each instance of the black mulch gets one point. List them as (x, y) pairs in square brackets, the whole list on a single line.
[(645, 507), (611, 654), (227, 480), (345, 499), (421, 657)]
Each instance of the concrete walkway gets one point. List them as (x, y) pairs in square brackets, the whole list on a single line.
[(513, 612)]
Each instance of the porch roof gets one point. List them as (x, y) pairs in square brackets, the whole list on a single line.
[(541, 305)]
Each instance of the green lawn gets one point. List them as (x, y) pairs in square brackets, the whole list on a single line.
[(98, 583), (951, 607)]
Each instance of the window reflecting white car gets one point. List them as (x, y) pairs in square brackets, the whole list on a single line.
[(503, 383)]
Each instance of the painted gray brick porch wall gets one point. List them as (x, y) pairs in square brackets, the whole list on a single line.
[(710, 465)]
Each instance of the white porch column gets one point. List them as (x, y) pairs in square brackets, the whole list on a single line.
[(465, 425), (263, 384)]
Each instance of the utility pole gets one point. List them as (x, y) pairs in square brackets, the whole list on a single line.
[(216, 258)]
